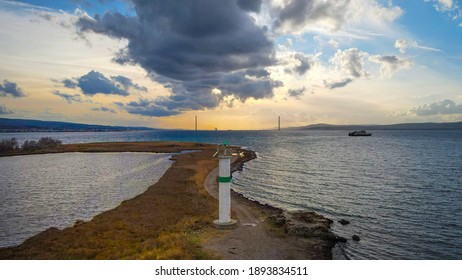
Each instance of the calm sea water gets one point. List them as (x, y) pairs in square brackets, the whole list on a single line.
[(401, 190), (56, 190)]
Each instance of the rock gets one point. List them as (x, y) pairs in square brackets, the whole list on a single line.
[(277, 220), (341, 239), (79, 222), (280, 221), (355, 237), (344, 222), (308, 225)]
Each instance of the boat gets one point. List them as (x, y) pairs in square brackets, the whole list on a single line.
[(361, 132)]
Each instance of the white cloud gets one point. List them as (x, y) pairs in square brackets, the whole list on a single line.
[(350, 62), (449, 7), (445, 5), (337, 84), (445, 107), (402, 45), (389, 64), (4, 110), (334, 43)]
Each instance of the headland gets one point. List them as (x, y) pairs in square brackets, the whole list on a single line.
[(173, 218)]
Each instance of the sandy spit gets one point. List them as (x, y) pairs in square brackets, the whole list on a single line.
[(173, 218)]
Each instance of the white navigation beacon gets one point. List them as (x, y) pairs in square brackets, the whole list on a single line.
[(224, 188)]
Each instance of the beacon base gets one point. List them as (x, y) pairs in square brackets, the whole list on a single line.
[(229, 225)]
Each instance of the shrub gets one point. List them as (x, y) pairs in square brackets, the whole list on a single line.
[(44, 142), (8, 144), (29, 145), (48, 142)]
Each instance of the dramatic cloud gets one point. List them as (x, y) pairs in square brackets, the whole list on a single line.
[(4, 110), (127, 83), (301, 15), (94, 82), (250, 5), (103, 109), (196, 48), (338, 84), (10, 89), (240, 85), (297, 14), (297, 93), (445, 107), (390, 64), (402, 45), (350, 62)]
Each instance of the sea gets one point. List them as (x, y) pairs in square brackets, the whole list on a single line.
[(401, 190)]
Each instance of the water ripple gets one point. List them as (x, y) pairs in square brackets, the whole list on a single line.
[(42, 191)]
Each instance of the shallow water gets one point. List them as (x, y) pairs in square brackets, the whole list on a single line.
[(401, 190), (56, 190)]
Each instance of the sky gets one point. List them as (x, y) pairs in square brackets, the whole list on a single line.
[(235, 64)]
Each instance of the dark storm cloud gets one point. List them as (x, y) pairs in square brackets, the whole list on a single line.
[(250, 5), (194, 48), (70, 98), (95, 82), (445, 107), (114, 25), (242, 87), (10, 89)]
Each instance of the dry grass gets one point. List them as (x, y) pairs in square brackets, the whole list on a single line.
[(156, 147), (169, 221)]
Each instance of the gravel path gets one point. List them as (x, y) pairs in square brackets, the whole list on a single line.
[(252, 238)]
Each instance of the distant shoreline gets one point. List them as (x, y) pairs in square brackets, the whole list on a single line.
[(171, 220), (400, 126), (28, 125)]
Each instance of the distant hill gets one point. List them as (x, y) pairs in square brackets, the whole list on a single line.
[(22, 125), (401, 126)]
